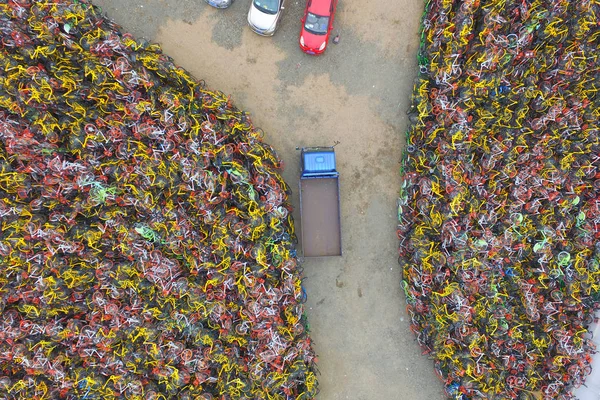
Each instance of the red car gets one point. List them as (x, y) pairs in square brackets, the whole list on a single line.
[(316, 25)]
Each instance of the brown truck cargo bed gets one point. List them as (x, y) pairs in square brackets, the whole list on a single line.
[(320, 217)]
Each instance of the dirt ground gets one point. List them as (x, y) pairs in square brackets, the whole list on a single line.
[(356, 94)]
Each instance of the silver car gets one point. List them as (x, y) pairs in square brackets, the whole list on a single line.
[(219, 3), (264, 16)]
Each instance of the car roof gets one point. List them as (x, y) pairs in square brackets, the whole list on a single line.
[(320, 7)]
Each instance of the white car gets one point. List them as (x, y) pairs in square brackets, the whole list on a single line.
[(264, 15)]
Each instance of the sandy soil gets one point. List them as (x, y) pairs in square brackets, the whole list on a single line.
[(355, 94)]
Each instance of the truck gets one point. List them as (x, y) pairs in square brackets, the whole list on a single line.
[(320, 203)]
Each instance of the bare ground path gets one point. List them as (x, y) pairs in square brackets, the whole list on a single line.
[(357, 94)]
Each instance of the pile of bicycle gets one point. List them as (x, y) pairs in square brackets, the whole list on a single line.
[(499, 208), (147, 247)]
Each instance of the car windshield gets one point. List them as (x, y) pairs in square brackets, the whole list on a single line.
[(267, 6), (316, 24)]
